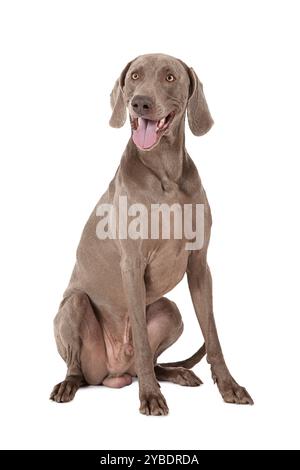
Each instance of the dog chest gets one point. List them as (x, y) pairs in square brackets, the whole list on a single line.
[(166, 267)]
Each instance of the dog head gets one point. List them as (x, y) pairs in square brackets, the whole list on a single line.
[(158, 89)]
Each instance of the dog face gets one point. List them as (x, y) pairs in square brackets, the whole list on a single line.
[(157, 90)]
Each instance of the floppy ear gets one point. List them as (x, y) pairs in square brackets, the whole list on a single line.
[(199, 118), (117, 101)]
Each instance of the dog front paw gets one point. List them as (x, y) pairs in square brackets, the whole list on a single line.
[(232, 392), (153, 403)]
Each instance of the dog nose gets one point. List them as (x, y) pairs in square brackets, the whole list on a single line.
[(142, 104)]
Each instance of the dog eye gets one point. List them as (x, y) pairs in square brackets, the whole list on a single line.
[(135, 76), (170, 78)]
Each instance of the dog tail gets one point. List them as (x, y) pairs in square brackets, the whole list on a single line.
[(190, 362)]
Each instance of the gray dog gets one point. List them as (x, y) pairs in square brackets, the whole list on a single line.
[(114, 320)]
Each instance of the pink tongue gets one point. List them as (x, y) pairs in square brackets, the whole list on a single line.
[(145, 136)]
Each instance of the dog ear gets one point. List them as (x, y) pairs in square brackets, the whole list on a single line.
[(117, 101), (199, 118)]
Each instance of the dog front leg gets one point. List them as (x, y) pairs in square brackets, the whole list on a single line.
[(152, 402), (200, 285)]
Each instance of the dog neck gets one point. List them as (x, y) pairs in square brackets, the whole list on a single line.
[(167, 158)]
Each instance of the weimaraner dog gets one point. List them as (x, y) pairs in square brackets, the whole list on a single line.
[(114, 320)]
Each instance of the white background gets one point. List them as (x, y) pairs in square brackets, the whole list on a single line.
[(59, 61)]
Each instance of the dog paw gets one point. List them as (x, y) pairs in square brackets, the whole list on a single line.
[(177, 375), (153, 404), (232, 392), (65, 391), (186, 377)]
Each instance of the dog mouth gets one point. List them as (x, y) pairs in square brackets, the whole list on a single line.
[(146, 133)]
